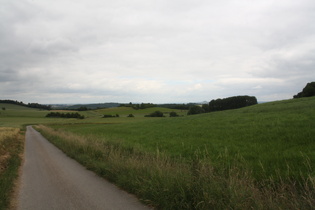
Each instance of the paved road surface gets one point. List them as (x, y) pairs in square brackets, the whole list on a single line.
[(51, 180)]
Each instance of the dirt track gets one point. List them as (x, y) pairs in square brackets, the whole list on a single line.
[(51, 180)]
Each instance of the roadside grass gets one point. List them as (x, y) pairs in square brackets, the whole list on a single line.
[(178, 183), (11, 148)]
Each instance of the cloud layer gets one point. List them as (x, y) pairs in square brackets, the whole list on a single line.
[(155, 51)]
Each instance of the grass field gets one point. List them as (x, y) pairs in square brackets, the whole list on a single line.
[(259, 157), (11, 147), (275, 138)]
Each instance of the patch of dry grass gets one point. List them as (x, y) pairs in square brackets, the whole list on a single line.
[(11, 147)]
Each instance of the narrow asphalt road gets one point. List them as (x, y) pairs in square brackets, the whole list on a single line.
[(51, 180)]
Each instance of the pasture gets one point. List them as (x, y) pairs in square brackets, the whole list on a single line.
[(275, 138), (259, 157)]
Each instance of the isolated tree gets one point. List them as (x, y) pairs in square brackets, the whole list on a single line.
[(173, 114)]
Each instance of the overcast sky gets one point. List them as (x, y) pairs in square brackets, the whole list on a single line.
[(158, 51)]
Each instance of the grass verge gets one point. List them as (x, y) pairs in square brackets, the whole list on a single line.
[(11, 147), (175, 183)]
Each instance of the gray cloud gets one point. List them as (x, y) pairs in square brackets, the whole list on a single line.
[(155, 51)]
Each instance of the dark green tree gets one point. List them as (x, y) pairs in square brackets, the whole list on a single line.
[(155, 114), (308, 91), (173, 114), (83, 108), (195, 110), (205, 107), (234, 102)]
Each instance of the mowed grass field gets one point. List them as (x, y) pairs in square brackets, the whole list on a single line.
[(259, 157)]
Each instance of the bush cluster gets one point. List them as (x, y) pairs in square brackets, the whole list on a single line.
[(155, 114), (109, 115), (65, 115), (173, 114)]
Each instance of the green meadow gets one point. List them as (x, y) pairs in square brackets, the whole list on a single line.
[(275, 138), (259, 157)]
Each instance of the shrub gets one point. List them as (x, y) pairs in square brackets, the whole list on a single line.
[(155, 114), (173, 114)]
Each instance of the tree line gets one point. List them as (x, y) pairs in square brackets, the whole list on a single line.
[(219, 104), (234, 102), (31, 105), (139, 106), (65, 115)]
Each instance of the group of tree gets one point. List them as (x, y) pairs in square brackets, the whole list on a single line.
[(82, 108), (85, 107), (139, 106), (155, 114), (161, 114), (65, 115), (39, 106), (234, 102), (177, 106), (308, 91), (109, 115), (31, 105), (196, 109)]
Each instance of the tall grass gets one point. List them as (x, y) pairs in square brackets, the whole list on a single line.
[(276, 139), (11, 147), (177, 183)]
